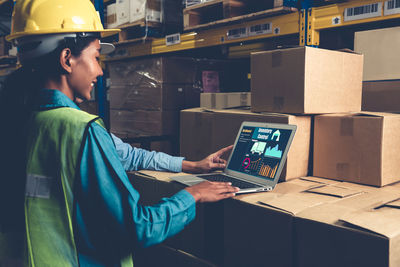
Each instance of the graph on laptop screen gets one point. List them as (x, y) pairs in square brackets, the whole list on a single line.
[(259, 151)]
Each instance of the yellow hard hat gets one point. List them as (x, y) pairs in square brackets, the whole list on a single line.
[(38, 17)]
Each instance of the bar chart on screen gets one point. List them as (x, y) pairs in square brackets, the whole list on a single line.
[(268, 171)]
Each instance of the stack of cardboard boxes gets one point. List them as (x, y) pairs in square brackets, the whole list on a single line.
[(308, 221), (350, 216), (337, 204), (348, 145)]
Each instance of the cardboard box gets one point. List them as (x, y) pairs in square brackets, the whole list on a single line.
[(258, 228), (137, 10), (357, 231), (383, 96), (139, 123), (164, 96), (308, 221), (122, 10), (306, 80), (149, 10), (358, 147), (204, 131), (225, 100), (111, 16), (380, 50)]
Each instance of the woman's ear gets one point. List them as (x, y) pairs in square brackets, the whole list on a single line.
[(65, 60)]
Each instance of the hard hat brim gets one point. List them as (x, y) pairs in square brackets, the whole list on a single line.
[(104, 33)]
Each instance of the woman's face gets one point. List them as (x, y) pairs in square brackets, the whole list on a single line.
[(84, 70)]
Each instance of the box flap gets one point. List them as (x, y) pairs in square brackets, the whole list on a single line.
[(383, 221), (192, 110), (334, 190), (318, 180), (359, 115), (281, 190), (288, 187), (393, 204), (275, 114), (255, 198), (369, 200), (292, 204), (361, 187), (376, 114), (327, 213)]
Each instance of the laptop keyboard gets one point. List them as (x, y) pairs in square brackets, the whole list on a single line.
[(224, 178)]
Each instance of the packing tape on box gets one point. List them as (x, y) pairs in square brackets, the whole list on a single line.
[(346, 126), (276, 59), (279, 102)]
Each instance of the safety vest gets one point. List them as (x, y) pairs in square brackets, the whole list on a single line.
[(55, 146)]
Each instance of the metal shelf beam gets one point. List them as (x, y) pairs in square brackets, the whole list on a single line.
[(286, 24), (348, 14)]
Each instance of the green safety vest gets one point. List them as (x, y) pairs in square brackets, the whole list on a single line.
[(55, 144)]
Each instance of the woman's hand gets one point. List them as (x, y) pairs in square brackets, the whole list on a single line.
[(212, 191), (211, 163)]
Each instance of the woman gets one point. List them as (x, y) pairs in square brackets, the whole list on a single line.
[(79, 207)]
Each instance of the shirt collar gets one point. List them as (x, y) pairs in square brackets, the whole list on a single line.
[(50, 98)]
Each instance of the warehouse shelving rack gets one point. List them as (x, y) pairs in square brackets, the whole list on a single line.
[(350, 13), (307, 24), (286, 24)]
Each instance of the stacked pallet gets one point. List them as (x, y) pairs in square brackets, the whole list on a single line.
[(143, 18), (217, 12), (146, 95)]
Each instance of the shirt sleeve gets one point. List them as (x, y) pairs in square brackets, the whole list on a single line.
[(107, 214), (134, 159)]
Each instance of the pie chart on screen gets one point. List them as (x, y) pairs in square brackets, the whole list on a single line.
[(246, 163)]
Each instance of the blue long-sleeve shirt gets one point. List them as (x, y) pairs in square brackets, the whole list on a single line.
[(134, 159), (108, 221)]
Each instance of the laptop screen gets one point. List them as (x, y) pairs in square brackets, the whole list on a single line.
[(259, 150)]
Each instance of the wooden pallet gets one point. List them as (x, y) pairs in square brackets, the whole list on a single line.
[(136, 30), (214, 11)]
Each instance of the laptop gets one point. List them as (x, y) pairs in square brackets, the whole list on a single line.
[(257, 158)]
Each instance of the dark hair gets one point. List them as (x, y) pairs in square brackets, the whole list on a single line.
[(17, 101)]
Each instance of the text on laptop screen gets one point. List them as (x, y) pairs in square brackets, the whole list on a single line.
[(258, 151)]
